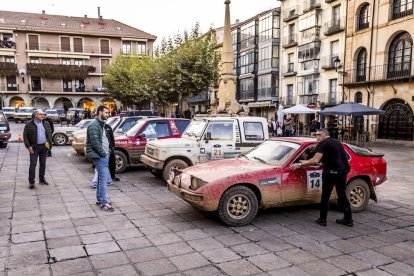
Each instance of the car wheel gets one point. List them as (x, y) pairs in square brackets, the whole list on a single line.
[(60, 139), (358, 194), (3, 145), (171, 165), (238, 206), (157, 173), (121, 162)]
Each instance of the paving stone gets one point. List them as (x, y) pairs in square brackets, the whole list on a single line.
[(218, 230), (134, 243), (85, 221), (91, 229), (126, 233), (275, 245), (193, 234), (231, 239), (189, 261), (348, 263), (60, 233), (156, 267), (22, 248), (239, 267), (38, 270), (373, 272), (24, 228), (109, 259), (62, 242), (144, 254), (103, 247), (367, 242), (96, 238), (145, 222), (204, 271), (395, 252), (71, 267), (179, 226), (174, 249), (372, 257), (124, 270), (300, 240), (321, 268), (296, 256), (150, 230), (248, 249), (27, 259), (346, 246), (290, 271), (220, 255), (268, 262), (398, 268), (66, 253), (322, 251), (28, 237)]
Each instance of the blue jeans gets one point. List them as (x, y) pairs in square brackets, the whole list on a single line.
[(95, 180), (101, 165)]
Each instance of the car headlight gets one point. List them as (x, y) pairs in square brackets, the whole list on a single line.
[(196, 183)]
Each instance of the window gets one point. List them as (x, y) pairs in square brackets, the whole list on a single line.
[(104, 43), (221, 130), (334, 53), (267, 86), (11, 83), (181, 125), (34, 60), (36, 83), (291, 63), (253, 131), (399, 56), (78, 44), (246, 89), (358, 97), (336, 13), (308, 51), (78, 62), (289, 94), (361, 65), (363, 18), (310, 85), (65, 44), (309, 22), (247, 35), (80, 85), (156, 130), (65, 61), (247, 62), (33, 42), (104, 64), (126, 47), (268, 56), (333, 83), (141, 48), (67, 85), (234, 36), (291, 33), (265, 27), (401, 8), (10, 60)]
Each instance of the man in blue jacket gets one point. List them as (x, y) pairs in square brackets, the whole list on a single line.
[(98, 150)]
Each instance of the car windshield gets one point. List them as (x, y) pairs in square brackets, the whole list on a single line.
[(25, 110), (274, 153), (134, 130), (195, 128), (7, 109), (112, 120), (81, 124), (51, 112)]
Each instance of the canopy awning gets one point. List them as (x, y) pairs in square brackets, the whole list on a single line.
[(351, 108), (298, 109)]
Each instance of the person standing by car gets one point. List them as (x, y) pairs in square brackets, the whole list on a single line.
[(331, 153), (37, 137), (98, 150), (52, 127)]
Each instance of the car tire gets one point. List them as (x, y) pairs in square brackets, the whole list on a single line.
[(157, 173), (60, 139), (121, 162), (358, 194), (3, 145), (173, 164), (245, 206)]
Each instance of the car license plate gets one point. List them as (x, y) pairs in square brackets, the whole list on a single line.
[(3, 128)]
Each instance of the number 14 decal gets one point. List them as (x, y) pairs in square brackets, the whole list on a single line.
[(314, 180)]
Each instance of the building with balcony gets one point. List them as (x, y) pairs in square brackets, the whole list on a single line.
[(53, 61), (379, 69), (256, 43), (313, 33)]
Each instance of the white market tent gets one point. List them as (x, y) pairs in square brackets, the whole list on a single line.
[(298, 109)]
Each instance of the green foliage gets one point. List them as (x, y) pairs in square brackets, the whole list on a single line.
[(184, 66), (8, 69), (59, 71)]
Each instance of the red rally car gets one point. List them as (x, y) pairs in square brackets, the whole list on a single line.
[(262, 178)]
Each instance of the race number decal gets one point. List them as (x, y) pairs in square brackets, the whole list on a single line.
[(217, 152), (314, 180)]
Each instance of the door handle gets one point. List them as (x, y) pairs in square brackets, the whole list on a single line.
[(230, 145)]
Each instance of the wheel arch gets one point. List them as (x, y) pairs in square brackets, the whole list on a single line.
[(368, 180), (251, 186), (124, 151), (180, 157)]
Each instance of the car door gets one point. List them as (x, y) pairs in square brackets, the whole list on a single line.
[(218, 141), (304, 184)]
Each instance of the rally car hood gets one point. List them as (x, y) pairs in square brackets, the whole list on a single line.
[(173, 143), (215, 170)]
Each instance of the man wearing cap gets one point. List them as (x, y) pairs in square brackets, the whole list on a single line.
[(37, 137)]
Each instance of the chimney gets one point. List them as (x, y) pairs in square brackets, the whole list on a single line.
[(99, 12)]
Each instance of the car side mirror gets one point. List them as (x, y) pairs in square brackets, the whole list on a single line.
[(207, 137), (141, 135)]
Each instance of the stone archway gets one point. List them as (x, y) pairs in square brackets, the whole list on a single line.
[(40, 102), (16, 102), (109, 103), (86, 103), (397, 123), (64, 103)]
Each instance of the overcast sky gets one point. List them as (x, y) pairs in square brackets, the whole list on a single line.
[(157, 17)]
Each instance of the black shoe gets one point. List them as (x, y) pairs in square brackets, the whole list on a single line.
[(321, 222), (31, 185), (116, 178), (43, 182), (347, 222)]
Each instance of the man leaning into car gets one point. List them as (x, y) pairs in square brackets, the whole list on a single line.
[(330, 152)]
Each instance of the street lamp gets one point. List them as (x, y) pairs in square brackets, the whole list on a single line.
[(337, 63)]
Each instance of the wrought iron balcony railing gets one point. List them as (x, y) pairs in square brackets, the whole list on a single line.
[(92, 88), (74, 49), (380, 73), (7, 44), (290, 41), (289, 69), (305, 99), (329, 98), (400, 9), (9, 87), (334, 26), (290, 13), (328, 62)]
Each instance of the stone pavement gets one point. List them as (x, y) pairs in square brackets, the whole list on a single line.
[(58, 230)]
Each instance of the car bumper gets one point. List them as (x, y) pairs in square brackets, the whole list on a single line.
[(78, 147), (195, 199), (4, 136), (151, 162)]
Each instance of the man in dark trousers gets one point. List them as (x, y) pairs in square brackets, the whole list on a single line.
[(37, 137), (331, 153), (111, 163), (52, 127)]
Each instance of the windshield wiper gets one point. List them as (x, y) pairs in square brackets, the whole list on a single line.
[(259, 159)]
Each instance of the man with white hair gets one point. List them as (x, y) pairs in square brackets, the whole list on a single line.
[(37, 137)]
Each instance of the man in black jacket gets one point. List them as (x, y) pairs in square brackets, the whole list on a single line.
[(37, 137), (111, 163)]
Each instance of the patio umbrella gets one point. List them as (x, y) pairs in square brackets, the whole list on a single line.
[(351, 108), (298, 109)]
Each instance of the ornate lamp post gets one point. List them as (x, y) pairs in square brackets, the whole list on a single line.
[(337, 63)]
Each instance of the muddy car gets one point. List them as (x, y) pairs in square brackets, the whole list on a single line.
[(262, 178), (61, 135)]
